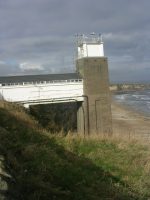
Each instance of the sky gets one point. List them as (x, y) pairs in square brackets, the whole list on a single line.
[(38, 36)]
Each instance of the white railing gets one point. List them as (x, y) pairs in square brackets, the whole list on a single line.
[(42, 82), (92, 39)]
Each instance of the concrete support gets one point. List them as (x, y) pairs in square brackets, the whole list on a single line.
[(80, 118), (83, 117), (96, 106)]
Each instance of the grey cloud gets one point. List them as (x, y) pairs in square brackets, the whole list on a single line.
[(42, 33), (7, 69)]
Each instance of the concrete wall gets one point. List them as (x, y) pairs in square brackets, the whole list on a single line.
[(97, 108)]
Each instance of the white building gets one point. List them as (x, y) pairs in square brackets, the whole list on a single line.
[(41, 89)]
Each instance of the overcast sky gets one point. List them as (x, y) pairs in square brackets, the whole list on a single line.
[(38, 36)]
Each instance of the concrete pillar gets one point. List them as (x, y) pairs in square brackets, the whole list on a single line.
[(80, 119), (83, 117), (96, 105)]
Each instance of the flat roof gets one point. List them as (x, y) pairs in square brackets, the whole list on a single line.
[(36, 78)]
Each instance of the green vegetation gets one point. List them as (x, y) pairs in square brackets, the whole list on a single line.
[(60, 117), (46, 166)]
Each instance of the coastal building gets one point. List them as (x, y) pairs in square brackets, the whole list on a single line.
[(88, 88), (92, 66), (42, 89)]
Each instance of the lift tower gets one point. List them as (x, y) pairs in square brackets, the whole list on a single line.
[(94, 114)]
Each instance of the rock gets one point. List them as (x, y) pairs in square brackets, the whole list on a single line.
[(3, 182)]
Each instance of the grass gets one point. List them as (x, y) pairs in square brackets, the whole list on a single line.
[(126, 160), (46, 167)]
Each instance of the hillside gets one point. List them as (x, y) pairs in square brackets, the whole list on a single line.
[(45, 166)]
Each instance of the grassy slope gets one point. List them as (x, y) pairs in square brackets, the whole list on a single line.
[(127, 161), (48, 167)]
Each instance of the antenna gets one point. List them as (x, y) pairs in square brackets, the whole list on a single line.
[(100, 37)]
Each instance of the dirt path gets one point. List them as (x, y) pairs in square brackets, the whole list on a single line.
[(129, 123)]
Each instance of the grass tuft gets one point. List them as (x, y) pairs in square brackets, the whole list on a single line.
[(45, 166)]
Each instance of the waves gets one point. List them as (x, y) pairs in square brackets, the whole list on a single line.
[(138, 100)]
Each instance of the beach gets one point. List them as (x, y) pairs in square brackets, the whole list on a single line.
[(129, 123)]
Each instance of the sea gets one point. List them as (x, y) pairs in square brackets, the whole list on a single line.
[(138, 100)]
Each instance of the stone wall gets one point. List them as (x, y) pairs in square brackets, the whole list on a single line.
[(97, 106)]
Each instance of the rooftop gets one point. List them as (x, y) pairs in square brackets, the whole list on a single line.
[(38, 78)]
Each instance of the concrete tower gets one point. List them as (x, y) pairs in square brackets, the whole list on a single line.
[(94, 114)]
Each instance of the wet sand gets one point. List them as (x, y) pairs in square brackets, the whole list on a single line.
[(129, 123)]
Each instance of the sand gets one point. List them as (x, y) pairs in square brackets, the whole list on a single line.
[(129, 123)]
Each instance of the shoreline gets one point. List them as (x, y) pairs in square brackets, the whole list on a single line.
[(129, 123)]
